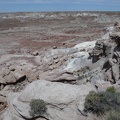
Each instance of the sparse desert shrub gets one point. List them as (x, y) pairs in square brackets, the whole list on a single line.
[(114, 115), (84, 69), (38, 107), (111, 89), (93, 104), (87, 67), (101, 102), (83, 76)]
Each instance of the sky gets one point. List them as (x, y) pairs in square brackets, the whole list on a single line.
[(58, 5)]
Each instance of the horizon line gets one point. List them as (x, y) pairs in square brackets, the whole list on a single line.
[(59, 11)]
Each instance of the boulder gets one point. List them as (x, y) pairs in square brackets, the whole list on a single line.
[(57, 75), (7, 77), (64, 101), (11, 74), (31, 75)]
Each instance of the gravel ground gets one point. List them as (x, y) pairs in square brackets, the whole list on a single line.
[(27, 32)]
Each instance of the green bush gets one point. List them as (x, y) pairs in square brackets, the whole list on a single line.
[(101, 102), (111, 89), (84, 69), (38, 107), (93, 104), (114, 115)]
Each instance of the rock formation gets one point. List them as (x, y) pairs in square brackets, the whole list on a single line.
[(108, 51), (53, 65), (63, 101)]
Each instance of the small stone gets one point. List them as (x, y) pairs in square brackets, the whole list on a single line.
[(82, 49), (56, 61), (64, 43), (12, 68), (8, 64), (55, 57), (35, 53), (54, 47)]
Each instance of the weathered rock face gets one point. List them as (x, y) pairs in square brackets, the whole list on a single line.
[(11, 76), (98, 51), (60, 64), (64, 101), (110, 51), (117, 26), (115, 37), (111, 66), (15, 72)]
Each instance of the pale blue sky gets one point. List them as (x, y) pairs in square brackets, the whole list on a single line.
[(58, 5)]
